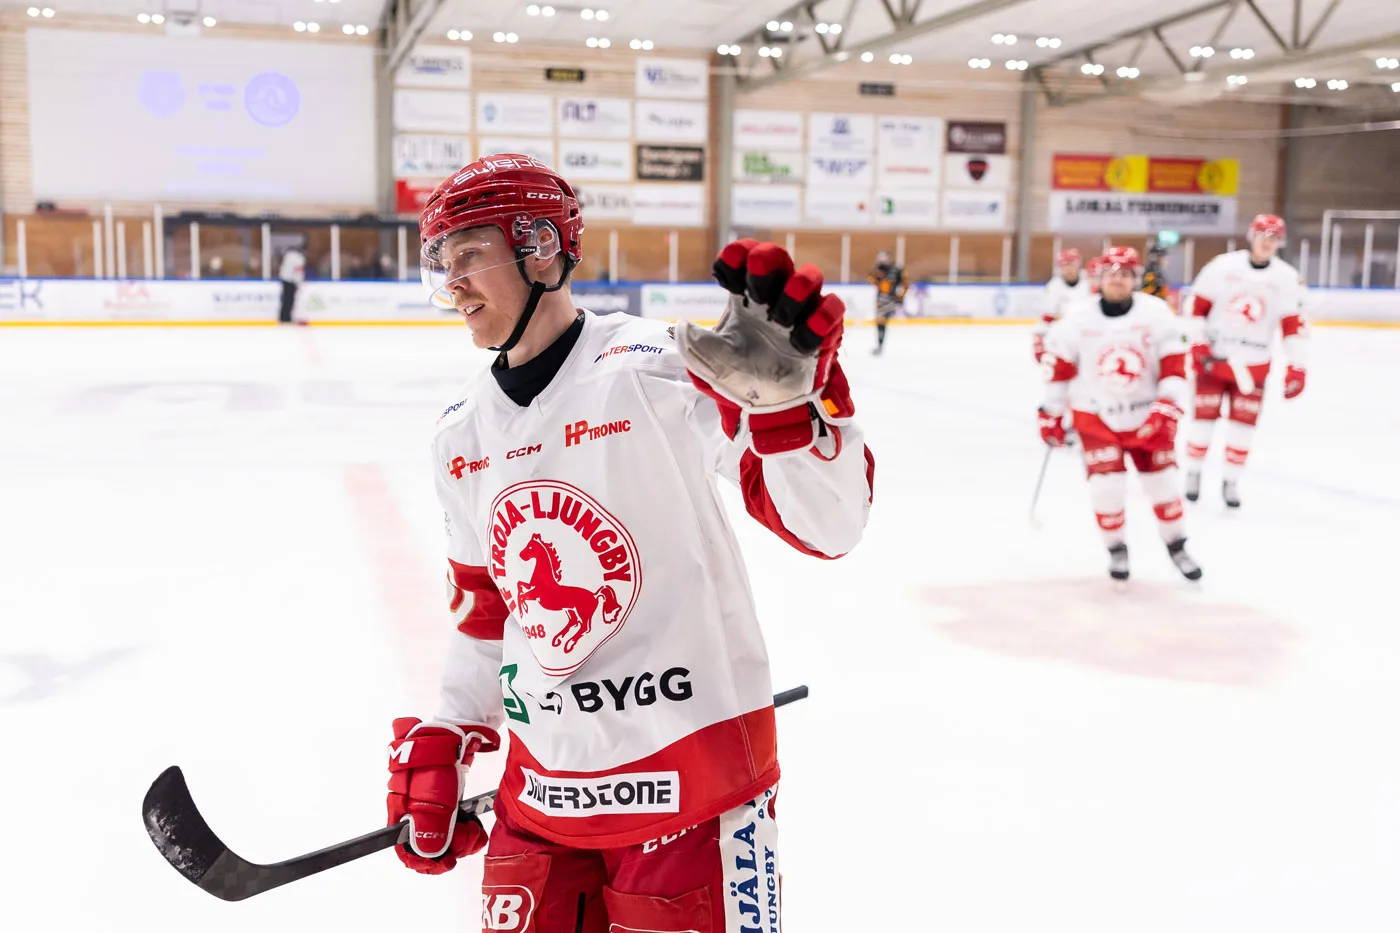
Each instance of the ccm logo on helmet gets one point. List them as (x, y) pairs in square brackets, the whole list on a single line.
[(542, 196)]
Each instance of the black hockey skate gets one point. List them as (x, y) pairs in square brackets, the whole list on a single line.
[(1193, 485), (1230, 489), (1118, 562), (1176, 550)]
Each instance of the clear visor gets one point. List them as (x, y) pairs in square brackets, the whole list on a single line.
[(449, 260)]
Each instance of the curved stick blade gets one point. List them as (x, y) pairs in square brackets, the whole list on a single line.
[(176, 827)]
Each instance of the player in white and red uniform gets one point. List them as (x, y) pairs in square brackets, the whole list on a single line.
[(602, 609), (1243, 299), (1066, 288), (1117, 365)]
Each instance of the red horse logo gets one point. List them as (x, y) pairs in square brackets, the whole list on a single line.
[(547, 588)]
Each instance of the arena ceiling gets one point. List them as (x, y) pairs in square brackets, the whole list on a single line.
[(1322, 52)]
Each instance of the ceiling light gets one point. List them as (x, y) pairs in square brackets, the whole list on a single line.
[(48, 12), (1396, 87), (1237, 79), (1305, 82), (348, 29), (894, 59), (648, 45), (547, 10), (1017, 65), (1337, 85), (532, 10), (602, 15), (1202, 51), (635, 44), (1242, 53), (299, 26), (867, 57), (591, 42), (842, 56), (821, 28), (498, 37), (210, 22), (512, 38), (602, 43), (1128, 72), (1388, 63), (773, 25), (1047, 42), (33, 11), (146, 18), (836, 29), (1091, 68), (979, 62), (157, 18), (361, 30), (765, 51), (313, 27), (998, 38), (777, 53), (785, 26), (585, 13)]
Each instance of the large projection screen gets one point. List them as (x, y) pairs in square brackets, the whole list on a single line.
[(200, 119)]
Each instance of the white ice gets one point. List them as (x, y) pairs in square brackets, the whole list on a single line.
[(219, 548)]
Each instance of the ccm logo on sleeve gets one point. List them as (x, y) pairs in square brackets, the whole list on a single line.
[(643, 792)]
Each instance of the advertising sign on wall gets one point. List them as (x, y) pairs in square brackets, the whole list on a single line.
[(411, 196), (767, 129), (766, 205), (841, 169), (670, 163), (535, 148), (672, 121), (768, 165), (673, 77), (436, 66), (595, 117), (668, 205), (841, 132), (910, 151), (604, 202), (833, 206), (523, 114), (1100, 193), (975, 210), (976, 138), (595, 160), (905, 207), (431, 156), (980, 172), (432, 111)]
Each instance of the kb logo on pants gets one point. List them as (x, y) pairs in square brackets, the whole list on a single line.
[(506, 907)]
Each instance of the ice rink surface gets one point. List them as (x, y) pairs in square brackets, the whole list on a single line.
[(220, 548)]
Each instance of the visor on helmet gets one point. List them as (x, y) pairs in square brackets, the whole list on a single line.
[(456, 256)]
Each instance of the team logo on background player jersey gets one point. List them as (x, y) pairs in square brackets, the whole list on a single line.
[(1121, 367), (1248, 306), (569, 572)]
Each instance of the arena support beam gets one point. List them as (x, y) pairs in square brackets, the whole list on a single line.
[(805, 51)]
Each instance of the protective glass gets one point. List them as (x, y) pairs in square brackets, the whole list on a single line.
[(454, 257)]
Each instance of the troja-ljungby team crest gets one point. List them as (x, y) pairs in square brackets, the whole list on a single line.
[(569, 572)]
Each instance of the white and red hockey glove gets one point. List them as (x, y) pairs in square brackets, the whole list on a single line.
[(1293, 381), (428, 764), (770, 365), (1158, 432), (1052, 429)]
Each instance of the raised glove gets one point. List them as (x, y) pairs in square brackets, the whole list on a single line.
[(1293, 382), (770, 365), (428, 764), (1158, 432), (1052, 429)]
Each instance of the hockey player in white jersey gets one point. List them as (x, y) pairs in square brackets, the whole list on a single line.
[(1116, 364), (1069, 285), (1240, 300), (602, 609)]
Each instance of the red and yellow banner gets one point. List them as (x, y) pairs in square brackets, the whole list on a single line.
[(1140, 174)]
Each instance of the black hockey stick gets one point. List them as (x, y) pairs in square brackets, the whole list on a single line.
[(185, 840)]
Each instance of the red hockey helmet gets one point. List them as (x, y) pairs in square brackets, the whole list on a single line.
[(1118, 257), (535, 208), (1068, 257), (1268, 225)]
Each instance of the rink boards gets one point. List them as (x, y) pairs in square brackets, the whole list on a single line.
[(255, 302)]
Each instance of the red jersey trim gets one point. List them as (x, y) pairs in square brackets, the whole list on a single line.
[(1174, 365), (1292, 325), (1200, 307), (720, 766), (486, 619)]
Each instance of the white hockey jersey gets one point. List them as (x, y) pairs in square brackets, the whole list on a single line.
[(1059, 295), (1116, 367), (1244, 307), (603, 609)]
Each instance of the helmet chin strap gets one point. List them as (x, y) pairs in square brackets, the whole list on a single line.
[(537, 290)]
